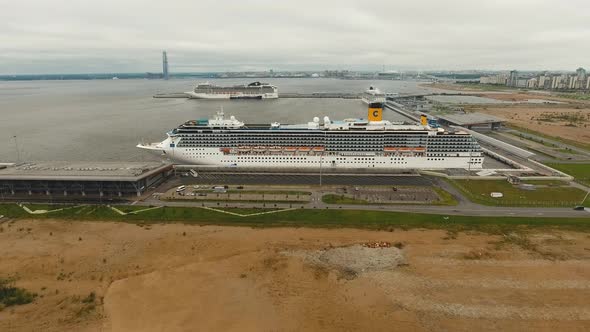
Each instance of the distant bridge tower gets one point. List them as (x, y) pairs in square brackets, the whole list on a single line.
[(164, 65)]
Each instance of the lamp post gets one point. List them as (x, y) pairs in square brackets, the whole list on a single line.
[(321, 162), (16, 148)]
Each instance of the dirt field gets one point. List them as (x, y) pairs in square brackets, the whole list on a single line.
[(553, 121), (186, 278)]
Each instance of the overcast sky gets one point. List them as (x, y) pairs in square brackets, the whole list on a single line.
[(80, 36)]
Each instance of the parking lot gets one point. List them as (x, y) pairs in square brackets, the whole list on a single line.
[(387, 194)]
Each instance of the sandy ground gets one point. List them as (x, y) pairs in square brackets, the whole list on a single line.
[(188, 278), (528, 117)]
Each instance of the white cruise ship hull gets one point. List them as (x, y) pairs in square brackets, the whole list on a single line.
[(351, 143), (215, 157), (373, 99), (217, 96)]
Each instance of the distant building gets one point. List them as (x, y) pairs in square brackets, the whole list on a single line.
[(500, 79), (581, 73), (580, 80), (390, 74), (336, 73), (544, 82), (513, 78), (533, 83), (559, 82), (572, 82), (164, 65), (521, 83)]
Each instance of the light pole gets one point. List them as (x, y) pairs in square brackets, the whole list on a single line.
[(321, 162), (16, 148)]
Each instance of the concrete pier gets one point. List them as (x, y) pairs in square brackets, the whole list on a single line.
[(399, 108), (333, 95)]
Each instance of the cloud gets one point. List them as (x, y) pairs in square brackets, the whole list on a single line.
[(42, 36)]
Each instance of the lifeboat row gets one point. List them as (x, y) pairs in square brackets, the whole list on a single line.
[(403, 149), (281, 148)]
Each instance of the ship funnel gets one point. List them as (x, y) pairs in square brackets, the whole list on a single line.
[(375, 112), (423, 120)]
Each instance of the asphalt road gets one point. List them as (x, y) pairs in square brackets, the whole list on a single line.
[(472, 210), (306, 179)]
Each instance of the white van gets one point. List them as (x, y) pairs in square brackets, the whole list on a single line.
[(181, 188), (219, 189)]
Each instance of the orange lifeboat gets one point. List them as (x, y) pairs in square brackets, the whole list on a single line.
[(304, 149), (389, 149), (319, 149), (290, 149)]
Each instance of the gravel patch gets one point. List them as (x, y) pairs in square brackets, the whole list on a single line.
[(354, 259)]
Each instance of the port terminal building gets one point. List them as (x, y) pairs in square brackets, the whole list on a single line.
[(474, 121), (80, 180)]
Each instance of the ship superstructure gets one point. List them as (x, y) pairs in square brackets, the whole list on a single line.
[(254, 90), (373, 95), (350, 143)]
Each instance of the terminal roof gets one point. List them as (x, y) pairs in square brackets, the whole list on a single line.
[(463, 119), (88, 171)]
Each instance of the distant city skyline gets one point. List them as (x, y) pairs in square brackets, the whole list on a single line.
[(129, 35)]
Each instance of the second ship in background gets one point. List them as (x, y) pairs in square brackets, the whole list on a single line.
[(254, 90)]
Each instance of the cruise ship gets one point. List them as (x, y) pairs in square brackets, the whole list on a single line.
[(351, 143), (254, 90), (373, 95)]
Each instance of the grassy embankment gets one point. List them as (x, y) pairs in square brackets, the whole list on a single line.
[(252, 196), (580, 172), (553, 147), (479, 191), (325, 218), (575, 96), (581, 145), (445, 199)]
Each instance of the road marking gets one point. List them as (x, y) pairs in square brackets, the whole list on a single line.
[(246, 215)]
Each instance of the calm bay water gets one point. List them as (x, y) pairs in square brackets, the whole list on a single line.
[(103, 120)]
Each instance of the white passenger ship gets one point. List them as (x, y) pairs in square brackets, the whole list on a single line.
[(254, 90), (373, 95), (351, 143)]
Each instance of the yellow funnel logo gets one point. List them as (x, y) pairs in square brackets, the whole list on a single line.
[(375, 114), (423, 120)]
